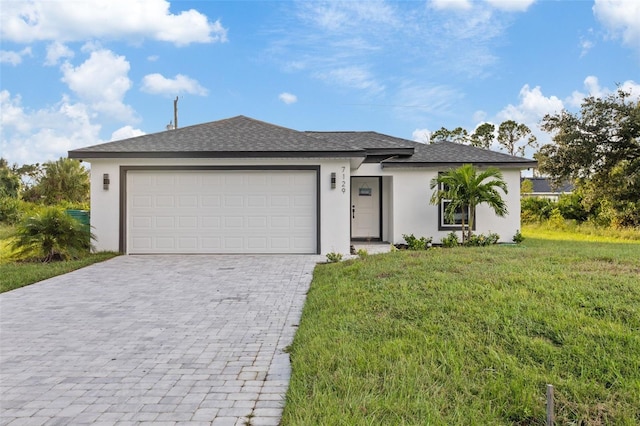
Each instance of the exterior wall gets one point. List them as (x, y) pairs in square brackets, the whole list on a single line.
[(405, 197), (410, 212), (334, 203)]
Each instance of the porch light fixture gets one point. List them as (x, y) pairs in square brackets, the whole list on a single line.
[(333, 180), (105, 181)]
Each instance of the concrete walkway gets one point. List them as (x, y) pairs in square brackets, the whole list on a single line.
[(163, 340)]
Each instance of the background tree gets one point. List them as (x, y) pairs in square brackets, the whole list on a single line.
[(599, 149), (526, 187), (457, 135), (483, 136), (511, 134), (9, 181), (465, 189), (64, 180)]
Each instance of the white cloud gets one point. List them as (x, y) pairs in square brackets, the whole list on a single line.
[(103, 81), (621, 18), (353, 77), (586, 46), (157, 84), (533, 106), (153, 58), (593, 88), (288, 98), (511, 5), (125, 133), (419, 102), (47, 134), (342, 16), (421, 135), (57, 51), (134, 20), (14, 58), (451, 4)]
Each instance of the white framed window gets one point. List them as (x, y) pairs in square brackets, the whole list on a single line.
[(446, 223)]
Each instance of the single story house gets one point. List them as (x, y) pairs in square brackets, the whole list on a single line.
[(542, 188), (241, 185)]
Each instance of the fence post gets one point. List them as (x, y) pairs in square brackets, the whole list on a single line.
[(550, 415)]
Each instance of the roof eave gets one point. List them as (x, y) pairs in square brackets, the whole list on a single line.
[(415, 164), (77, 154)]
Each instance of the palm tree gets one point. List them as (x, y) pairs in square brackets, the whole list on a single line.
[(65, 179), (465, 188)]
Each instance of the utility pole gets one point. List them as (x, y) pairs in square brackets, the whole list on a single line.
[(175, 113)]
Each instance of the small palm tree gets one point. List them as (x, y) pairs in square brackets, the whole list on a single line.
[(52, 235), (465, 188)]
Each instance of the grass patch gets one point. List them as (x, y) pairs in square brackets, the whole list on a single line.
[(16, 274), (571, 231), (472, 336)]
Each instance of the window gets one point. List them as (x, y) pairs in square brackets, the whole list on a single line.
[(456, 223), (445, 223)]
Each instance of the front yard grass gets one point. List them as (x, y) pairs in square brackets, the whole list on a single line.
[(15, 274), (472, 336)]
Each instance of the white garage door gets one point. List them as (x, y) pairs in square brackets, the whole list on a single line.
[(219, 211)]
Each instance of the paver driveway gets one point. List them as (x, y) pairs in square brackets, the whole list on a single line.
[(158, 339)]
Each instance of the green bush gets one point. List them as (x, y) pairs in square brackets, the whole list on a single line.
[(451, 240), (52, 235), (414, 243), (334, 257), (535, 209), (481, 240), (570, 206), (518, 237), (13, 210), (9, 210)]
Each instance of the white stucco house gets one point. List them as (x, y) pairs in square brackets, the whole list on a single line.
[(241, 185)]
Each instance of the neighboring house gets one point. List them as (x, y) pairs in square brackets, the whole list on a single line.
[(542, 188), (241, 185)]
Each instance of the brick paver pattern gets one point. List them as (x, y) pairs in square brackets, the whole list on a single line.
[(175, 340)]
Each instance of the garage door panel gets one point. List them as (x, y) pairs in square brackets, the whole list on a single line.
[(215, 211), (164, 222)]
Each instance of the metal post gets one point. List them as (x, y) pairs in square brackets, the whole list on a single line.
[(550, 414), (175, 113)]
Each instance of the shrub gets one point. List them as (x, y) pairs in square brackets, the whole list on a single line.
[(9, 210), (52, 235), (414, 243), (334, 257), (535, 209), (518, 237), (451, 240), (363, 252), (481, 240), (570, 206)]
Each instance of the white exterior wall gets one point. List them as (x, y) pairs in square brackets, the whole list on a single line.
[(411, 212), (334, 203), (406, 194)]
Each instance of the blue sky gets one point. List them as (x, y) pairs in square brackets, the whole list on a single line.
[(77, 73)]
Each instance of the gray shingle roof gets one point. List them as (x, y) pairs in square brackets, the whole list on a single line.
[(450, 153), (233, 137), (366, 140), (542, 185), (245, 137)]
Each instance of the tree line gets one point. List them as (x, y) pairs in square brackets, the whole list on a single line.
[(597, 149), (64, 181)]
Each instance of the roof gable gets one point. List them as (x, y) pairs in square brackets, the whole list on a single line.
[(236, 136)]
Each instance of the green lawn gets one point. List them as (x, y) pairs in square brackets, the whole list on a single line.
[(19, 274), (472, 336)]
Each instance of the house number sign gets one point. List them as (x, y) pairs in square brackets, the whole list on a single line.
[(343, 183)]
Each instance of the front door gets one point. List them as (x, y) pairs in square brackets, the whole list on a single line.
[(365, 207)]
